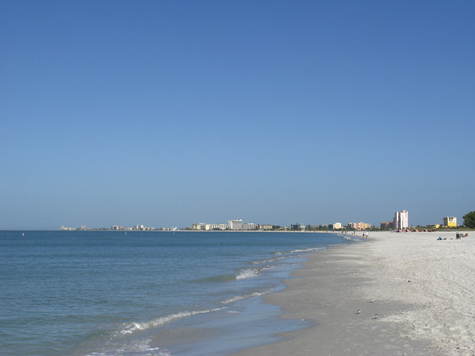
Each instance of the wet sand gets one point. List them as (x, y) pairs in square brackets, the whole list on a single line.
[(393, 294)]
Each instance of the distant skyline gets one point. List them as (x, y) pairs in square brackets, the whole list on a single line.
[(171, 113)]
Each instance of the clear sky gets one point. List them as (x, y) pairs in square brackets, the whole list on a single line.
[(169, 113)]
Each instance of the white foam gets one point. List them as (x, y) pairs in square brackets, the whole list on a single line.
[(139, 346), (351, 237), (135, 326), (313, 249), (241, 297), (247, 273), (270, 260)]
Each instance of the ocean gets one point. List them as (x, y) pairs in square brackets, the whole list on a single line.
[(101, 293)]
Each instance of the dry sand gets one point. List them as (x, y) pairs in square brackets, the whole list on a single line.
[(423, 292)]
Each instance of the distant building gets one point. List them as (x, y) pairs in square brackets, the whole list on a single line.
[(217, 226), (297, 227), (235, 224), (265, 227), (359, 226), (206, 227), (248, 226), (335, 226), (386, 225), (200, 226), (450, 221), (401, 220)]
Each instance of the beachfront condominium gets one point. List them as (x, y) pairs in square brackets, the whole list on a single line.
[(297, 227), (248, 226), (207, 227), (235, 224), (401, 220), (335, 226), (265, 227), (386, 225), (359, 226)]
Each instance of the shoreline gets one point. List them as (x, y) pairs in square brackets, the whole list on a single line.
[(422, 290)]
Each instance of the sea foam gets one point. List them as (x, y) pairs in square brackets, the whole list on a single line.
[(308, 250), (244, 296), (247, 273), (269, 260), (136, 326), (350, 237)]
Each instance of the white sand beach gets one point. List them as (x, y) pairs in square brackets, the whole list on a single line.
[(393, 294)]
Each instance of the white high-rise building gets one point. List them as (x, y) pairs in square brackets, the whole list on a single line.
[(401, 220), (235, 224)]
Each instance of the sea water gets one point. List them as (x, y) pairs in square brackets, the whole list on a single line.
[(106, 293)]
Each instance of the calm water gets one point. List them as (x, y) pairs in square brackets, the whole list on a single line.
[(145, 293)]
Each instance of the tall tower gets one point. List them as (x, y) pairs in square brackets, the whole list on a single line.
[(401, 220)]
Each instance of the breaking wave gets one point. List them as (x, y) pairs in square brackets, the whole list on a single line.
[(247, 273), (135, 326), (241, 297), (314, 249)]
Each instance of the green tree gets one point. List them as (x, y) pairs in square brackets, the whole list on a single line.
[(469, 220)]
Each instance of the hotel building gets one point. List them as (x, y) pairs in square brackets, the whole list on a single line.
[(335, 226), (386, 225), (235, 224), (401, 220), (359, 226)]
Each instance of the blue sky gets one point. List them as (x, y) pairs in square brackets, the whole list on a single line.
[(169, 113)]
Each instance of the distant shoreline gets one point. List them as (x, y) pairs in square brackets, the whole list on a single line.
[(184, 230), (343, 232)]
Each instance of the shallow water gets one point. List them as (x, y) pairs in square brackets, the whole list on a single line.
[(145, 293)]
